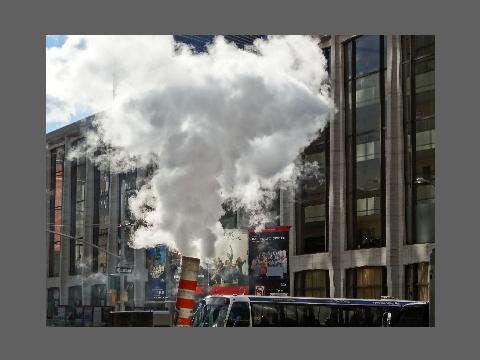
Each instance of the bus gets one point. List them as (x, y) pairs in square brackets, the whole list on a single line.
[(285, 311)]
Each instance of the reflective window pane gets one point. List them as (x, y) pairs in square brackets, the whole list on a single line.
[(368, 177), (364, 143), (367, 90), (367, 54), (424, 45)]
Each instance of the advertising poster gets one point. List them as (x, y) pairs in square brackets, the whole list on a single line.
[(156, 267), (268, 261), (227, 272)]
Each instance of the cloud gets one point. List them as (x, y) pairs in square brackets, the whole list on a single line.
[(221, 124)]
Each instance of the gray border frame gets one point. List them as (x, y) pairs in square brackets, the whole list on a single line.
[(23, 301)]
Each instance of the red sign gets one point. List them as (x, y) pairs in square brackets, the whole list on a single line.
[(228, 290)]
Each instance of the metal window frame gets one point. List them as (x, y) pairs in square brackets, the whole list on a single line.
[(300, 195), (350, 144)]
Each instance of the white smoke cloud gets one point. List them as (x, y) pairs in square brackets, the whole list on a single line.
[(227, 123)]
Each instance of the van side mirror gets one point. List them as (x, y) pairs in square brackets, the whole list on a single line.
[(387, 319)]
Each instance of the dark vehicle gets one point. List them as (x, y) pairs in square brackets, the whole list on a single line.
[(416, 314), (284, 311), (141, 318)]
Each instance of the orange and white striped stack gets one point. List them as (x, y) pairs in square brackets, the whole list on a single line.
[(186, 290)]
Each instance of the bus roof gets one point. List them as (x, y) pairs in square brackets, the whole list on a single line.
[(311, 300)]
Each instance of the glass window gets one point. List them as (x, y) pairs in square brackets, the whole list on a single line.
[(424, 45), (368, 282), (290, 315), (211, 314), (312, 283), (265, 314), (364, 143), (353, 316), (325, 315), (367, 54), (326, 52), (239, 315), (417, 281), (348, 60), (75, 296), (56, 201), (78, 177), (414, 315), (418, 54), (99, 295), (312, 199), (367, 91), (53, 301)]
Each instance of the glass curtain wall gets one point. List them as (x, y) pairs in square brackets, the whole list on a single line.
[(418, 58), (312, 199), (364, 62)]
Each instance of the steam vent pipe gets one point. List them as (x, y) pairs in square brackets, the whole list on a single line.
[(186, 290)]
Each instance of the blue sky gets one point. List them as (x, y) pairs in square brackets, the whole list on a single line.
[(55, 40), (58, 41)]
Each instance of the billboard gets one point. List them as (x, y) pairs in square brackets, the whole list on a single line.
[(268, 261), (156, 268), (227, 272)]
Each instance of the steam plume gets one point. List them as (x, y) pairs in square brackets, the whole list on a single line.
[(225, 124)]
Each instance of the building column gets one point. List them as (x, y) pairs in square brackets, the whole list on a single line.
[(112, 246), (336, 206), (287, 218), (66, 228), (139, 277), (394, 169), (48, 202)]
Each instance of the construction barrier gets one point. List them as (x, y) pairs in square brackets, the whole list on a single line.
[(186, 291)]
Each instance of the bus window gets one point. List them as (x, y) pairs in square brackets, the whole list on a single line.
[(290, 315), (325, 315), (306, 315), (361, 316), (239, 315), (265, 314), (354, 316), (211, 313), (413, 316)]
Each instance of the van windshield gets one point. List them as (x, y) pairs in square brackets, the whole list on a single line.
[(211, 313)]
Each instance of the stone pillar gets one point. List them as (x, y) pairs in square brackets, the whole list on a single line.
[(394, 169), (48, 235), (139, 277), (336, 206)]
